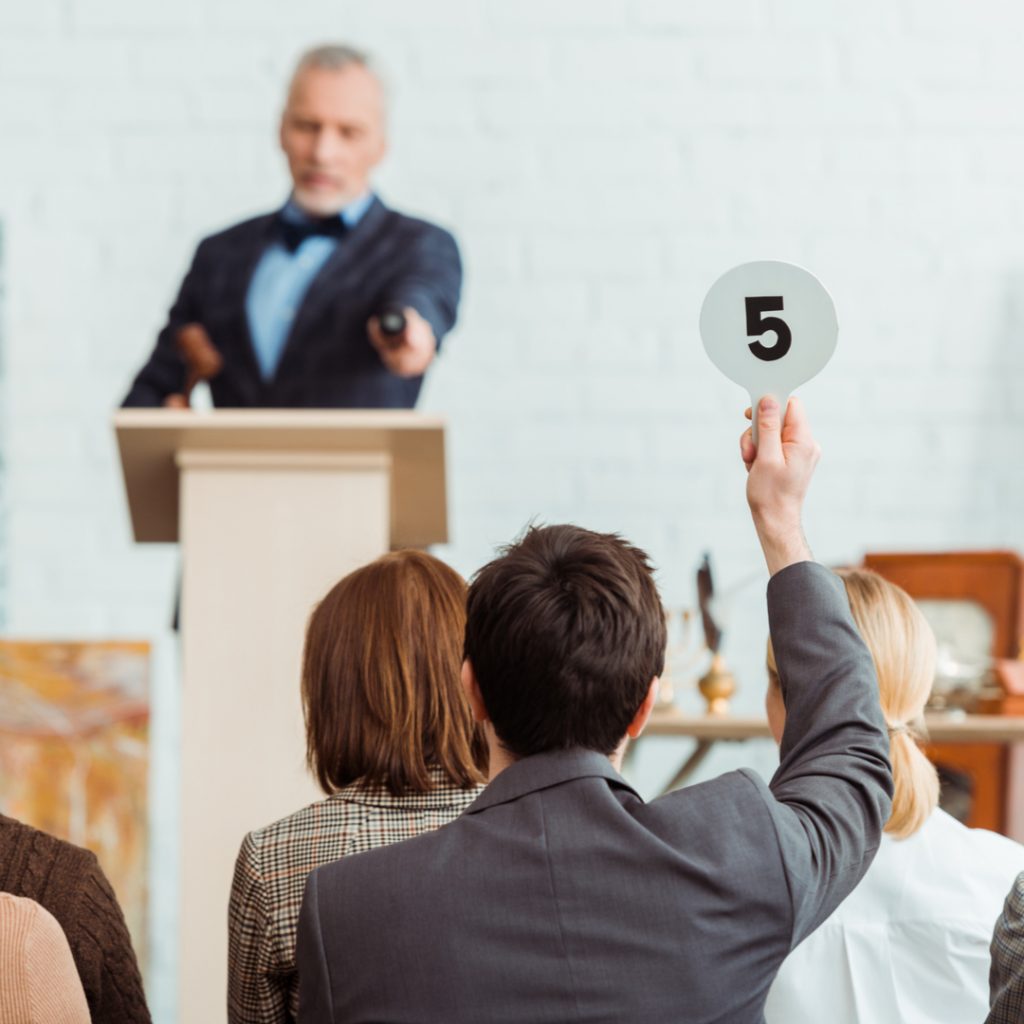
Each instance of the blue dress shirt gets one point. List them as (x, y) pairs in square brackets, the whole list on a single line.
[(281, 280)]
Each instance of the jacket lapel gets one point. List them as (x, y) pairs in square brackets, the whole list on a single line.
[(342, 263), (541, 771), (238, 273)]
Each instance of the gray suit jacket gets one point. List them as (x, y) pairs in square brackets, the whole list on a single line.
[(559, 895)]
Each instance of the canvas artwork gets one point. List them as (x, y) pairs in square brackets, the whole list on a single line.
[(74, 754)]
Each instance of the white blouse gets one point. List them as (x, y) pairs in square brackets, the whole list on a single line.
[(910, 945)]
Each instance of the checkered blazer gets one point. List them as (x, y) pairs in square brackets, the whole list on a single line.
[(270, 875), (1006, 978)]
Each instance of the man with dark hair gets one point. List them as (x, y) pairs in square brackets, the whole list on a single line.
[(564, 634), (559, 894), (289, 305)]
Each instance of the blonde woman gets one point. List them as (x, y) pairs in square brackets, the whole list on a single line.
[(911, 943)]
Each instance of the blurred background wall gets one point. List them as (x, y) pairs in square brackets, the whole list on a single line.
[(601, 162)]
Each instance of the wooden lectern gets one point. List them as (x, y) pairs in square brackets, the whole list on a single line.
[(271, 508)]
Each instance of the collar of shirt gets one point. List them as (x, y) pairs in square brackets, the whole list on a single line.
[(444, 794), (281, 279), (350, 215)]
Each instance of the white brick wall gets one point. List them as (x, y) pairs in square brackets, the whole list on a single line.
[(602, 161)]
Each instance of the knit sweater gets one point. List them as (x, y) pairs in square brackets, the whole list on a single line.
[(38, 980), (70, 884)]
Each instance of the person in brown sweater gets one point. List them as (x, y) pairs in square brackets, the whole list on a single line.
[(69, 883)]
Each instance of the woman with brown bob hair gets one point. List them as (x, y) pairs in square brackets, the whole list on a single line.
[(389, 737), (911, 942)]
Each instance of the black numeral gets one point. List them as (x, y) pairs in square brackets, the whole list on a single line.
[(758, 324)]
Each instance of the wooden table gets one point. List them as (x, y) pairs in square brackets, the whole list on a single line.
[(708, 730)]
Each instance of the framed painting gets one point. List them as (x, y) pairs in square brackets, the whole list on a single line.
[(74, 754)]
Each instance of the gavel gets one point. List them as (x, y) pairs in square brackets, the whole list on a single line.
[(201, 358)]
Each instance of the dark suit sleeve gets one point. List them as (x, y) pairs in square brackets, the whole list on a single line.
[(430, 281), (164, 372), (1006, 976), (315, 1003), (833, 789)]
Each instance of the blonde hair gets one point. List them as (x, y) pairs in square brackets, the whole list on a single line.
[(902, 646)]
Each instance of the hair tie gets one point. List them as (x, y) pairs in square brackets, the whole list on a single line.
[(898, 727)]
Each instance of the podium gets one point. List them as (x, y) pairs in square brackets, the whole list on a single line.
[(271, 508)]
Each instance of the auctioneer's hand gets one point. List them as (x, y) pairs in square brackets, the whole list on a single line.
[(409, 352)]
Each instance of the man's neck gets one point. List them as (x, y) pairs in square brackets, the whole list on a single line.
[(499, 758), (351, 208)]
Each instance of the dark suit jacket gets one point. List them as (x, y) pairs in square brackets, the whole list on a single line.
[(328, 361), (559, 895)]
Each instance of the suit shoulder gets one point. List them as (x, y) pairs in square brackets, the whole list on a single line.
[(417, 228), (741, 785), (327, 821), (396, 861), (734, 803), (1015, 897)]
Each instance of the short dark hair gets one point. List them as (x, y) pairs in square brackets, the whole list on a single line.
[(381, 691), (565, 631)]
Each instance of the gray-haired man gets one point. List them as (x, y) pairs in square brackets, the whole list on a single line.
[(291, 300)]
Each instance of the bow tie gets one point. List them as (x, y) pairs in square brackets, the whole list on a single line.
[(294, 233)]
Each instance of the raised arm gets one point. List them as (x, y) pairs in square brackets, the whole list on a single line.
[(833, 788)]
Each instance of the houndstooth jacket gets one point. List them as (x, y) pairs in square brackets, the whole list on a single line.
[(1006, 979), (271, 871)]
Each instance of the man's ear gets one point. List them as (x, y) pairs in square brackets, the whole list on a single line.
[(472, 688), (644, 711)]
